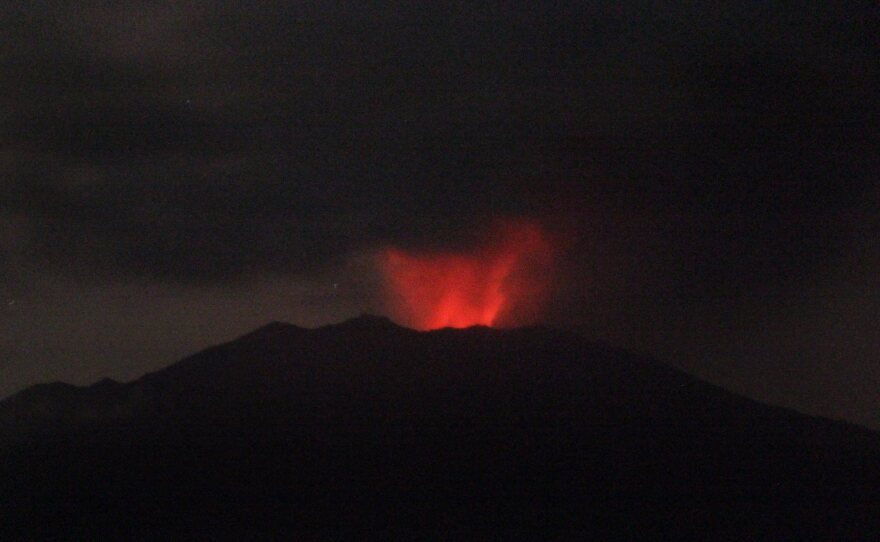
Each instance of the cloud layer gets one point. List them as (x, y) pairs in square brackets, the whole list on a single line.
[(202, 140)]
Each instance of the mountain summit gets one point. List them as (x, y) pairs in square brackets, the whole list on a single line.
[(370, 426)]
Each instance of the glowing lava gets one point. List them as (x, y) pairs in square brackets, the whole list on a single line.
[(461, 289)]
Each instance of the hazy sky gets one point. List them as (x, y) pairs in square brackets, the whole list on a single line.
[(173, 174)]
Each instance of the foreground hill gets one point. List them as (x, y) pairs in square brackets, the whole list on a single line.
[(366, 427)]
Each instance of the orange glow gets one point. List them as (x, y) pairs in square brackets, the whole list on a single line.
[(476, 287)]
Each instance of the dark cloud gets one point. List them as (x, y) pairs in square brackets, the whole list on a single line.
[(209, 139)]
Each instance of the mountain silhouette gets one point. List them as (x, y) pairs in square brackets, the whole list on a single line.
[(371, 430)]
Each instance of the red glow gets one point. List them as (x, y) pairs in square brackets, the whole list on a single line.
[(476, 287)]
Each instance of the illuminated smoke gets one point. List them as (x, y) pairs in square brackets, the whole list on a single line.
[(481, 286)]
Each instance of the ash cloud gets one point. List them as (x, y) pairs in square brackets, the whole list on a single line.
[(200, 141)]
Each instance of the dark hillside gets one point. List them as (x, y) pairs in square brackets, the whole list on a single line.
[(368, 425)]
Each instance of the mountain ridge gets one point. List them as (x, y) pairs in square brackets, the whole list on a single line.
[(366, 421), (282, 332)]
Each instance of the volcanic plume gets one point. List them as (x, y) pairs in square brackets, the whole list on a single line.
[(478, 286)]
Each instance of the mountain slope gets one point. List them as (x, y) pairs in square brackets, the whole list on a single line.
[(368, 424)]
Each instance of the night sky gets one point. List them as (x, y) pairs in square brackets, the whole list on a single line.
[(174, 174)]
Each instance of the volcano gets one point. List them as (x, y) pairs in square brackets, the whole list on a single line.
[(366, 429)]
